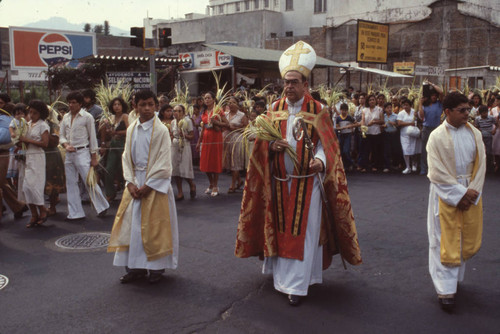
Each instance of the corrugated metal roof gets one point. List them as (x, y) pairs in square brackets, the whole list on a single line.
[(257, 54)]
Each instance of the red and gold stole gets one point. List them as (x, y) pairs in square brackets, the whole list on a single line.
[(292, 204)]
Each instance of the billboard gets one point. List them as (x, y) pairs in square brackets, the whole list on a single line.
[(137, 80), (206, 59), (373, 42), (407, 68), (33, 50)]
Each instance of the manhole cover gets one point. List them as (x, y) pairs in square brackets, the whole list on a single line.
[(3, 281), (89, 240)]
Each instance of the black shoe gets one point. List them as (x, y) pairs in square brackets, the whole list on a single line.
[(293, 300), (132, 276), (18, 214), (73, 219), (102, 214), (155, 277), (447, 304)]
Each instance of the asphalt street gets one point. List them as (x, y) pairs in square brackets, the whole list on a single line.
[(52, 290)]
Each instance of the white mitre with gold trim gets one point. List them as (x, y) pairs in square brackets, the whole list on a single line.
[(300, 57)]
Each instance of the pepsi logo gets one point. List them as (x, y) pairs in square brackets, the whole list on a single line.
[(186, 57), (55, 48), (224, 59)]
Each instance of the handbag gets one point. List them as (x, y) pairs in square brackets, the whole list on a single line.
[(413, 131)]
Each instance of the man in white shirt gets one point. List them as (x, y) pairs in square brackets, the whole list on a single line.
[(78, 137)]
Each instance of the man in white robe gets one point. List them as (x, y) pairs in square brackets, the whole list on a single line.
[(456, 160), (145, 232)]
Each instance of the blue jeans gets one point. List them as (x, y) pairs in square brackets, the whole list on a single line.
[(345, 147)]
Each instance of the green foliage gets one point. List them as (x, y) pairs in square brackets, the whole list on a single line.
[(87, 27), (85, 76)]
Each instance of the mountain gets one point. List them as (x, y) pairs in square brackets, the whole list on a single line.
[(60, 23)]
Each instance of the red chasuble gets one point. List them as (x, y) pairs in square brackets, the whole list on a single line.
[(273, 218)]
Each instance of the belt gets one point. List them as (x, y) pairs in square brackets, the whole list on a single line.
[(288, 177), (81, 147)]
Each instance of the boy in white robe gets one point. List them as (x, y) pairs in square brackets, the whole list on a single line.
[(457, 165), (145, 235)]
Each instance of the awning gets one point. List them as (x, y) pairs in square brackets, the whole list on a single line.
[(484, 67), (379, 72), (208, 69), (256, 54)]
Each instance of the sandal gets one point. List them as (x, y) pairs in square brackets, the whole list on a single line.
[(231, 190), (208, 191), (51, 212), (192, 193), (32, 222), (179, 198), (215, 192), (41, 220), (241, 183)]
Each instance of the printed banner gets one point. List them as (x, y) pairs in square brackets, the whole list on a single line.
[(33, 50)]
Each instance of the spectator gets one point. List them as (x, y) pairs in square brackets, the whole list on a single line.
[(117, 129), (495, 111), (182, 163), (406, 119), (89, 100), (430, 111), (392, 144), (32, 172), (196, 120), (486, 124), (78, 137), (166, 116), (373, 118), (211, 143), (55, 179), (234, 152), (345, 124)]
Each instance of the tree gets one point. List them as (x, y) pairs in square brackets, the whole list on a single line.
[(98, 28), (86, 28), (106, 28)]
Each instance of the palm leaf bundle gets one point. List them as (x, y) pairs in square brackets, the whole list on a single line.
[(105, 93)]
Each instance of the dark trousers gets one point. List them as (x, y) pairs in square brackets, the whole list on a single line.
[(426, 132), (392, 149), (375, 149), (345, 147)]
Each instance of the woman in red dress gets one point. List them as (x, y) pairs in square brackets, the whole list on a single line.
[(212, 143)]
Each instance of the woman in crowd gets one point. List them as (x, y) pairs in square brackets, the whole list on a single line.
[(373, 118), (476, 102), (166, 115), (196, 120), (211, 143), (182, 163), (406, 119), (55, 179), (234, 151), (32, 173), (358, 142), (117, 130)]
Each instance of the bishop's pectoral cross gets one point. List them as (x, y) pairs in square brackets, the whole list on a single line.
[(296, 52)]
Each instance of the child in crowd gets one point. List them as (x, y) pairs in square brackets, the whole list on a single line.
[(392, 146), (345, 124), (486, 124)]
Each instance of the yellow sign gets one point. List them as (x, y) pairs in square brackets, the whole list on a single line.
[(405, 67), (373, 40)]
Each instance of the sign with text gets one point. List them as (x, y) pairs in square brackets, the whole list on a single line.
[(137, 80), (33, 50), (372, 43), (206, 59), (429, 71), (407, 68)]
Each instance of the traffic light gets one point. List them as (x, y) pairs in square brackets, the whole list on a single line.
[(165, 37), (138, 40)]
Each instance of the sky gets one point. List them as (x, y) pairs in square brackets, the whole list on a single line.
[(122, 14)]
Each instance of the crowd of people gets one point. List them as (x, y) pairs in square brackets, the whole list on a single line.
[(296, 211), (376, 133)]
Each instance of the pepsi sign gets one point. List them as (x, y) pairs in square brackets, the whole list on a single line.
[(33, 50)]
